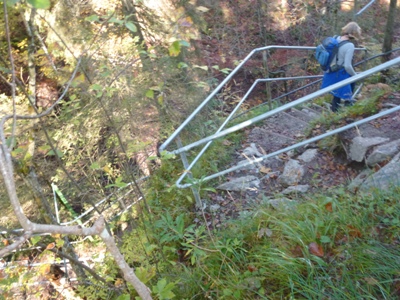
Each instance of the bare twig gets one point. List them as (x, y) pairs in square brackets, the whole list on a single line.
[(15, 245)]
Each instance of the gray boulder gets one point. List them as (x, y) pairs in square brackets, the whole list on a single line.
[(292, 173), (386, 177), (240, 184), (296, 189), (308, 155), (383, 152), (360, 145)]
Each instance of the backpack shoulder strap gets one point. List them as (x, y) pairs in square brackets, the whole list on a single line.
[(336, 50), (343, 42)]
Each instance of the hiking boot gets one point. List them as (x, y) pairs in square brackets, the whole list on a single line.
[(349, 102)]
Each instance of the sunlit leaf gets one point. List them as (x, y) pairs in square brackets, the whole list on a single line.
[(92, 18), (58, 153), (184, 43), (40, 4), (146, 273), (44, 269), (131, 26), (205, 68), (150, 94), (115, 20), (95, 166), (202, 8), (160, 99), (60, 243), (226, 70), (175, 48), (107, 170), (182, 65), (96, 87), (35, 239)]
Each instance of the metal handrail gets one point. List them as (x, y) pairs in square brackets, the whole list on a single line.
[(319, 80), (221, 85), (247, 123), (364, 8)]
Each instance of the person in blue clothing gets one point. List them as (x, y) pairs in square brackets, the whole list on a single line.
[(343, 66)]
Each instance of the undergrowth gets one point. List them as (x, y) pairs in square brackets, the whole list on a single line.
[(339, 246)]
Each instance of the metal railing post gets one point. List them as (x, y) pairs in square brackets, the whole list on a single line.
[(266, 75), (185, 162)]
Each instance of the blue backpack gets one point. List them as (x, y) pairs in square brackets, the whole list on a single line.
[(326, 51)]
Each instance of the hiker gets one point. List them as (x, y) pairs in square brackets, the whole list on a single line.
[(343, 68)]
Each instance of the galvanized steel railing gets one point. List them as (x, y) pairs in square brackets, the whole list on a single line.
[(221, 132)]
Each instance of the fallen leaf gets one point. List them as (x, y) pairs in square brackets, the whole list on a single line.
[(273, 176), (119, 282), (50, 246), (264, 232), (227, 143), (265, 170), (6, 242), (354, 232), (371, 281), (316, 249), (251, 268), (328, 206), (297, 252)]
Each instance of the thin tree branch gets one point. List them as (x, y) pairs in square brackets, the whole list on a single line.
[(15, 245), (3, 140), (127, 271)]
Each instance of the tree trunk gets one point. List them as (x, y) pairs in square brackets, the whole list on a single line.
[(388, 40), (29, 24)]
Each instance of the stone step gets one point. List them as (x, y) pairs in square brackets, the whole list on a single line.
[(311, 112), (269, 140), (300, 114), (319, 108), (285, 124)]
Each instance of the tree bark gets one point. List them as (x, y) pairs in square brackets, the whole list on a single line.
[(388, 40)]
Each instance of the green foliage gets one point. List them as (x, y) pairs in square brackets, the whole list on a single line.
[(163, 290), (269, 254), (176, 237), (92, 292), (40, 4)]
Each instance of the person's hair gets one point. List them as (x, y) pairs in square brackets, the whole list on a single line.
[(352, 30)]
